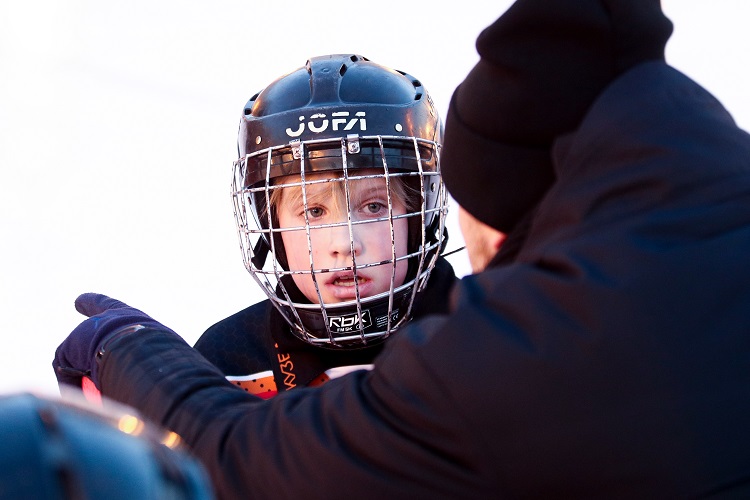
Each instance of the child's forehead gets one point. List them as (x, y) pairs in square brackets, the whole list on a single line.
[(320, 186)]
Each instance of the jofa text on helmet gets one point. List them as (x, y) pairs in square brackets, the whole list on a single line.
[(319, 123)]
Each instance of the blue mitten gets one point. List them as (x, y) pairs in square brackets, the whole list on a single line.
[(77, 356)]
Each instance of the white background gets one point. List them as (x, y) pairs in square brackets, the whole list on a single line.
[(118, 124)]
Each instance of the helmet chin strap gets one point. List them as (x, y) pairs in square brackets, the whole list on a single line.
[(260, 253), (444, 243)]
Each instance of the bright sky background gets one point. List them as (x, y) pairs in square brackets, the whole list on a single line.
[(118, 126)]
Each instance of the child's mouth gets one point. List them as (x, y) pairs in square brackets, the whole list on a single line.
[(348, 281)]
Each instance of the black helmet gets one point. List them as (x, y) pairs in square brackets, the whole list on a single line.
[(339, 119), (65, 449)]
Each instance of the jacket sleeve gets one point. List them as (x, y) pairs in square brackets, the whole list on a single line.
[(382, 432)]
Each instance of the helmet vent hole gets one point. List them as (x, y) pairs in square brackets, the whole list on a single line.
[(342, 70), (354, 58), (248, 111), (418, 96)]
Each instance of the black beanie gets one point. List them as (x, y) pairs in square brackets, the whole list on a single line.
[(542, 64)]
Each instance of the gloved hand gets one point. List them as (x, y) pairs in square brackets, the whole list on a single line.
[(77, 356)]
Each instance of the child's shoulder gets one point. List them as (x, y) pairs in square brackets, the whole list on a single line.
[(239, 342)]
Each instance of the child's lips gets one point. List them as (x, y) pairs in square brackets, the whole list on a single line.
[(344, 286), (348, 281)]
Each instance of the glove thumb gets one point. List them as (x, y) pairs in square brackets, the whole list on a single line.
[(91, 304)]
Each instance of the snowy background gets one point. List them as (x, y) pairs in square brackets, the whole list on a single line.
[(118, 123)]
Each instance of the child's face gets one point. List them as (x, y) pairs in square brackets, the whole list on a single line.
[(331, 246)]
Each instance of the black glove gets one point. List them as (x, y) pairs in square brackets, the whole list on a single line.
[(78, 355)]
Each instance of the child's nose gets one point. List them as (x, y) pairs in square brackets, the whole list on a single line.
[(344, 241)]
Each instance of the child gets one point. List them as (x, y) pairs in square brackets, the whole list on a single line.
[(338, 178)]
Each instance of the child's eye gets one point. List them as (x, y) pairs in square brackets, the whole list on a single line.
[(374, 207), (314, 212)]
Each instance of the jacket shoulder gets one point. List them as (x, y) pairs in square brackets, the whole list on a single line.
[(241, 343)]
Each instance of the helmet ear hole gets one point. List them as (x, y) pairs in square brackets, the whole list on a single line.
[(278, 245), (260, 253), (263, 247)]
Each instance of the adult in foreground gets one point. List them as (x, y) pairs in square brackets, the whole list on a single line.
[(602, 352)]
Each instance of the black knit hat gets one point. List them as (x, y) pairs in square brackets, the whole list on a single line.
[(542, 64)]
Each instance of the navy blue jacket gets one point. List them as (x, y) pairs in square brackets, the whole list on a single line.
[(256, 349), (610, 358)]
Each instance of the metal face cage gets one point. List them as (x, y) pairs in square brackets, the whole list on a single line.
[(340, 164)]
